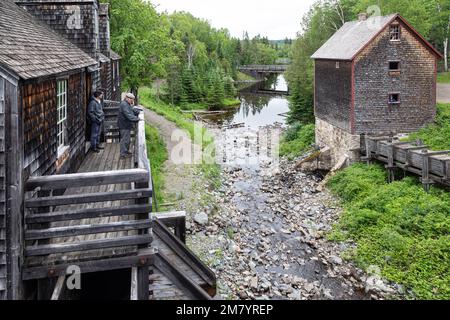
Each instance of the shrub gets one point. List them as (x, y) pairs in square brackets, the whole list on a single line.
[(397, 227)]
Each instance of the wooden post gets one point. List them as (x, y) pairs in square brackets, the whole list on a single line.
[(390, 166), (15, 192), (426, 171), (141, 160)]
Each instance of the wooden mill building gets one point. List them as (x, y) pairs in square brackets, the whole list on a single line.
[(61, 207), (375, 76)]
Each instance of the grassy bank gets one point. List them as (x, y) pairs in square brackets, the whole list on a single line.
[(397, 227), (444, 77), (157, 154), (297, 140), (244, 77), (437, 135)]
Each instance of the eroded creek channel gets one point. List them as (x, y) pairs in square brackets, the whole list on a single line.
[(265, 236)]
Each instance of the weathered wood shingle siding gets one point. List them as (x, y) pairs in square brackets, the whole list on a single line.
[(40, 117), (40, 129), (415, 84), (106, 81), (76, 124), (333, 92)]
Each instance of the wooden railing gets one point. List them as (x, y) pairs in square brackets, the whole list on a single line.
[(264, 68), (43, 208), (431, 166)]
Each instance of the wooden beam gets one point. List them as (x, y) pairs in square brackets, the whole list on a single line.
[(64, 181), (180, 249), (176, 220), (177, 276), (143, 256), (78, 230), (89, 198), (88, 245), (87, 214), (59, 288)]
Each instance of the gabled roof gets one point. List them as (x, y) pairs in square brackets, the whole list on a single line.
[(115, 56), (354, 36), (31, 49)]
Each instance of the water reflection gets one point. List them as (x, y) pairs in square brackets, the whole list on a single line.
[(261, 105)]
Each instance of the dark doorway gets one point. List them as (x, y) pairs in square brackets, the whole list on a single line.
[(108, 285)]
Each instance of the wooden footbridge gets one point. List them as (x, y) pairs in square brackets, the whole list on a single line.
[(100, 219), (275, 68), (414, 157)]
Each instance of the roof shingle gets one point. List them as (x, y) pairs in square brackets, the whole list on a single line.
[(351, 38), (31, 49)]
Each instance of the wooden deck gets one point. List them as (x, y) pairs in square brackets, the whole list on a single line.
[(100, 220)]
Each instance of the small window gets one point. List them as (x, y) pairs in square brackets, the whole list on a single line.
[(61, 108), (395, 33), (394, 65), (394, 98), (337, 65)]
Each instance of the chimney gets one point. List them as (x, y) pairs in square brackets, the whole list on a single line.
[(362, 16), (105, 45)]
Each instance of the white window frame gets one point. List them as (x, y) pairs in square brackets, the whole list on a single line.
[(61, 110), (397, 33)]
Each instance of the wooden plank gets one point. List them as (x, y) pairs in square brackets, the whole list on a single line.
[(73, 231), (88, 245), (76, 180), (88, 198), (143, 257), (87, 213), (58, 288)]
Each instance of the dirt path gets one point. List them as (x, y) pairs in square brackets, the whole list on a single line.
[(443, 93), (181, 180)]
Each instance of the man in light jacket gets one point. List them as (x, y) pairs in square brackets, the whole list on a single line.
[(128, 117), (96, 117)]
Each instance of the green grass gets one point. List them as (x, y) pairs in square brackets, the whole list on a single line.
[(157, 154), (231, 102), (437, 135), (397, 227), (444, 77), (244, 77), (297, 140)]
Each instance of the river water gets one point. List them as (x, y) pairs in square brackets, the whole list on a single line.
[(260, 105)]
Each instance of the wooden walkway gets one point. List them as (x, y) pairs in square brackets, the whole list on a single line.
[(431, 166)]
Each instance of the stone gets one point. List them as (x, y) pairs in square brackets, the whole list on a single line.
[(336, 260), (201, 218), (254, 283)]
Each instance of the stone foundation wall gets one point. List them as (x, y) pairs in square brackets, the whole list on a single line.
[(340, 144)]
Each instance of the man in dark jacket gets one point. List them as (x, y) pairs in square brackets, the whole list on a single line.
[(127, 119), (96, 117)]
